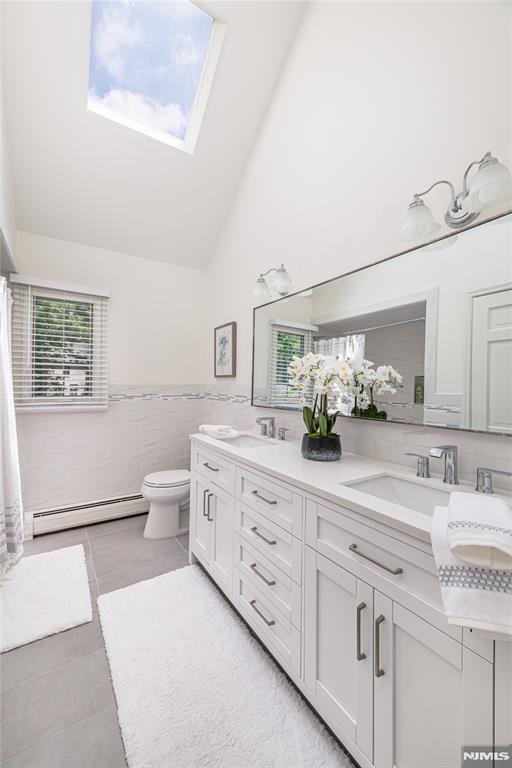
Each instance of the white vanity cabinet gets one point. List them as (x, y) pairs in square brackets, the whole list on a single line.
[(211, 529), (351, 609), (338, 645), (431, 695)]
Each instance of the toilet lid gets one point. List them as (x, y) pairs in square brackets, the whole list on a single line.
[(168, 478)]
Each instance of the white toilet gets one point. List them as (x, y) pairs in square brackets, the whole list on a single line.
[(166, 491)]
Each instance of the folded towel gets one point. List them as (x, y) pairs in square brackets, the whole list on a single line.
[(480, 530), (480, 598), (220, 431)]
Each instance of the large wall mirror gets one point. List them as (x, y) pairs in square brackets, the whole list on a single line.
[(440, 315)]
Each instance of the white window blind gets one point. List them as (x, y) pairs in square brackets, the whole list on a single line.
[(59, 347), (285, 343)]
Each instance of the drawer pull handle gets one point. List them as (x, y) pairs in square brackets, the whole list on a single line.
[(269, 583), (359, 653), (263, 498), (208, 466), (393, 571), (268, 622), (205, 513), (378, 671), (254, 529), (210, 519)]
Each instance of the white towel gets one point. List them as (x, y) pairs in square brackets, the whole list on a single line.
[(480, 530), (480, 598), (220, 431)]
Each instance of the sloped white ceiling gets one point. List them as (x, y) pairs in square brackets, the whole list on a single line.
[(81, 177)]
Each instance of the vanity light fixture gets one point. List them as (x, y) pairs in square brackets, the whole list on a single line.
[(490, 185), (273, 284)]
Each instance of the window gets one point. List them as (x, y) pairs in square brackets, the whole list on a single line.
[(59, 346), (286, 342), (152, 65)]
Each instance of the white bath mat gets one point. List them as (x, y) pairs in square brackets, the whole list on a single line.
[(44, 594), (195, 690)]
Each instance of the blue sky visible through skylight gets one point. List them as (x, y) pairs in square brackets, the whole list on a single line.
[(146, 61)]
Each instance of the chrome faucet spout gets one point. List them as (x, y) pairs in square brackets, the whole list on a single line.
[(449, 453), (267, 425)]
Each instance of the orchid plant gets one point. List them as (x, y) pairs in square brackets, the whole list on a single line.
[(340, 381)]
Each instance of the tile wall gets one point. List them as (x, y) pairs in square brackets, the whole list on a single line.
[(75, 458)]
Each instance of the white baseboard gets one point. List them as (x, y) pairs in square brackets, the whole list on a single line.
[(50, 520)]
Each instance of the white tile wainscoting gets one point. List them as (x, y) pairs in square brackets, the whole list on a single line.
[(76, 458)]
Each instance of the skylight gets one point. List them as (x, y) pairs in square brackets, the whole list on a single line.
[(151, 66)]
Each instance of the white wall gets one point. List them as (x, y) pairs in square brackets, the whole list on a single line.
[(157, 330), (7, 219), (376, 102), (157, 321)]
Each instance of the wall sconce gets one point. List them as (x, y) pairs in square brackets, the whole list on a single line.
[(273, 284), (490, 185)]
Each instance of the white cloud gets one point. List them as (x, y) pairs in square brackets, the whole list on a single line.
[(185, 53), (168, 118), (113, 34)]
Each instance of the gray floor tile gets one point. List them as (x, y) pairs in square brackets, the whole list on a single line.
[(131, 574), (126, 548), (46, 705), (113, 526), (50, 541), (92, 743), (38, 658), (183, 540)]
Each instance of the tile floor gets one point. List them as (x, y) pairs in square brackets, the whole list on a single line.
[(58, 706)]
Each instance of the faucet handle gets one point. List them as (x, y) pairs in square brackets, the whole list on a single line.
[(423, 465), (281, 433), (484, 478)]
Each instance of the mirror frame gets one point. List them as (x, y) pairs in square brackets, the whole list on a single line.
[(417, 247)]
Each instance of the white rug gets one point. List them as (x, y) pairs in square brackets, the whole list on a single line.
[(42, 595), (195, 690)]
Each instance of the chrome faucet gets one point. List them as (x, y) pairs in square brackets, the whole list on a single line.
[(423, 465), (484, 478), (268, 425), (449, 453), (281, 433)]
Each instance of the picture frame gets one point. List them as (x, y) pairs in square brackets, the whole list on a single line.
[(224, 350)]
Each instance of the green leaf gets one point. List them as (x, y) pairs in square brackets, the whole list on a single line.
[(322, 422), (307, 415)]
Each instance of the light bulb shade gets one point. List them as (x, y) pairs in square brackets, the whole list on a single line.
[(491, 185), (261, 290), (418, 222), (282, 282)]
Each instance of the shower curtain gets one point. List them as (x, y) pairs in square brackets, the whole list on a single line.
[(351, 346), (11, 512), (346, 346)]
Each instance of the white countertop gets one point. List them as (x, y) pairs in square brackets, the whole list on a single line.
[(329, 480)]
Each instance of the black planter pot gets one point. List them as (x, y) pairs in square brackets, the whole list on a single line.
[(316, 448)]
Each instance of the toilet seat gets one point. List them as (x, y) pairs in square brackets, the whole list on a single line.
[(169, 478)]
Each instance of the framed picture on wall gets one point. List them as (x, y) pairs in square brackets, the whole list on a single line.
[(225, 350)]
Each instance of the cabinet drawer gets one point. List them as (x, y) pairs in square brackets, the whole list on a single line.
[(277, 632), (278, 588), (216, 469), (280, 547), (351, 544), (278, 503)]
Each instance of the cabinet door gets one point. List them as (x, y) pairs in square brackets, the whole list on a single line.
[(199, 525), (338, 645), (220, 509), (431, 695)]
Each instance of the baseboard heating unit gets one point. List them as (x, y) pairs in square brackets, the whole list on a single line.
[(48, 520)]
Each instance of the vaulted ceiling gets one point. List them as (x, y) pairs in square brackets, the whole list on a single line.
[(80, 177)]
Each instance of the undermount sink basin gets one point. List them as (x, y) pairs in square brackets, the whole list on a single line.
[(247, 441), (408, 493)]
